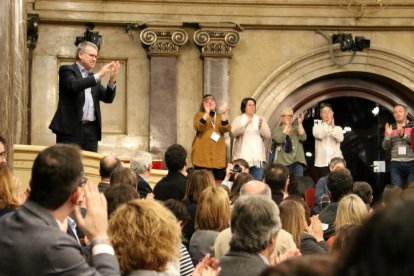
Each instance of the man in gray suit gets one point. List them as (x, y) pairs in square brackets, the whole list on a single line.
[(34, 239), (255, 224)]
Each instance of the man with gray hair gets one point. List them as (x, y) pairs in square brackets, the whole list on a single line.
[(284, 240), (141, 164), (255, 223)]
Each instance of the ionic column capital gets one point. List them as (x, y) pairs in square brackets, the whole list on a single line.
[(163, 41), (216, 43)]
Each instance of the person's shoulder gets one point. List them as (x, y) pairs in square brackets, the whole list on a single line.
[(67, 67)]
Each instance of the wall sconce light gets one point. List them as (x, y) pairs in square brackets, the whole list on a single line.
[(32, 30), (347, 43), (90, 36)]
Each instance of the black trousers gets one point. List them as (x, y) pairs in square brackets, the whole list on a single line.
[(87, 139)]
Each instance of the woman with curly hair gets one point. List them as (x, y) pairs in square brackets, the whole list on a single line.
[(212, 216), (146, 238)]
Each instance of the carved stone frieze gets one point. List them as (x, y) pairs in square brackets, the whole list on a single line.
[(216, 43), (163, 42)]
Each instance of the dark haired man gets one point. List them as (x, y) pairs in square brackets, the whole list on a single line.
[(173, 185), (34, 239), (340, 183), (3, 160), (277, 177), (78, 115)]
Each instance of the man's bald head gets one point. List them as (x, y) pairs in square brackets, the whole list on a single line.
[(255, 187), (108, 164)]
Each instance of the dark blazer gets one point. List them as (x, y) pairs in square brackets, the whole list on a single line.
[(72, 87), (32, 243), (241, 264), (171, 186), (328, 216), (143, 187)]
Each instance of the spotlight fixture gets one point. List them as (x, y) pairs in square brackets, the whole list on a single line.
[(90, 36), (347, 43)]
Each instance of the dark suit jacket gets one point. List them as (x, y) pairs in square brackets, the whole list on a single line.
[(32, 243), (328, 216), (143, 187), (241, 264), (171, 186), (72, 87)]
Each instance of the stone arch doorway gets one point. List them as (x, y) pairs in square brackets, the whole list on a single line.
[(310, 80)]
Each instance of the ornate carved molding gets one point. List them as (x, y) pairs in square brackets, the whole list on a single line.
[(216, 43), (163, 42)]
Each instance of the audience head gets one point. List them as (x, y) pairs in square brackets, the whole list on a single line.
[(255, 224), (309, 265), (108, 164), (213, 209), (351, 210), (292, 216), (286, 116), (123, 175), (57, 175), (383, 244), (119, 194), (209, 100), (250, 103), (8, 189), (293, 187), (197, 182), (178, 209), (3, 160), (256, 187), (391, 194), (363, 190), (145, 235), (344, 237), (239, 181), (336, 162), (326, 113), (175, 158), (277, 177), (339, 183), (400, 113), (141, 162)]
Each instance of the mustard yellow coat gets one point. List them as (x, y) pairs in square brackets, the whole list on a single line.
[(205, 151)]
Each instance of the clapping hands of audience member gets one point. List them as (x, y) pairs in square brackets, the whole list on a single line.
[(208, 266), (388, 130), (150, 196), (315, 228), (95, 223), (300, 118), (276, 258)]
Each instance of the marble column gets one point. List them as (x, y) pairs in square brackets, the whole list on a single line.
[(13, 56), (216, 47), (163, 44)]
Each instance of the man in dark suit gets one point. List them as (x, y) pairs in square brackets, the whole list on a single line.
[(34, 239), (78, 116), (173, 185), (255, 223), (141, 164), (106, 166)]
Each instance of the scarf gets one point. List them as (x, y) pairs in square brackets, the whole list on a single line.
[(251, 149)]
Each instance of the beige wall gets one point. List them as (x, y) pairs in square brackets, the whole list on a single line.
[(278, 51)]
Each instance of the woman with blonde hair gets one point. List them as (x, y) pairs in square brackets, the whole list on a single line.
[(8, 191), (212, 216), (146, 238), (351, 210), (309, 239), (197, 182)]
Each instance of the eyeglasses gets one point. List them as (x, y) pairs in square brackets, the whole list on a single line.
[(91, 55), (83, 182), (288, 116)]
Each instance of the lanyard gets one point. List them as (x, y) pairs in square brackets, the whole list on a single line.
[(213, 122)]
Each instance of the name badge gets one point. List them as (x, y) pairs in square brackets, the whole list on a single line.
[(402, 150), (214, 136)]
